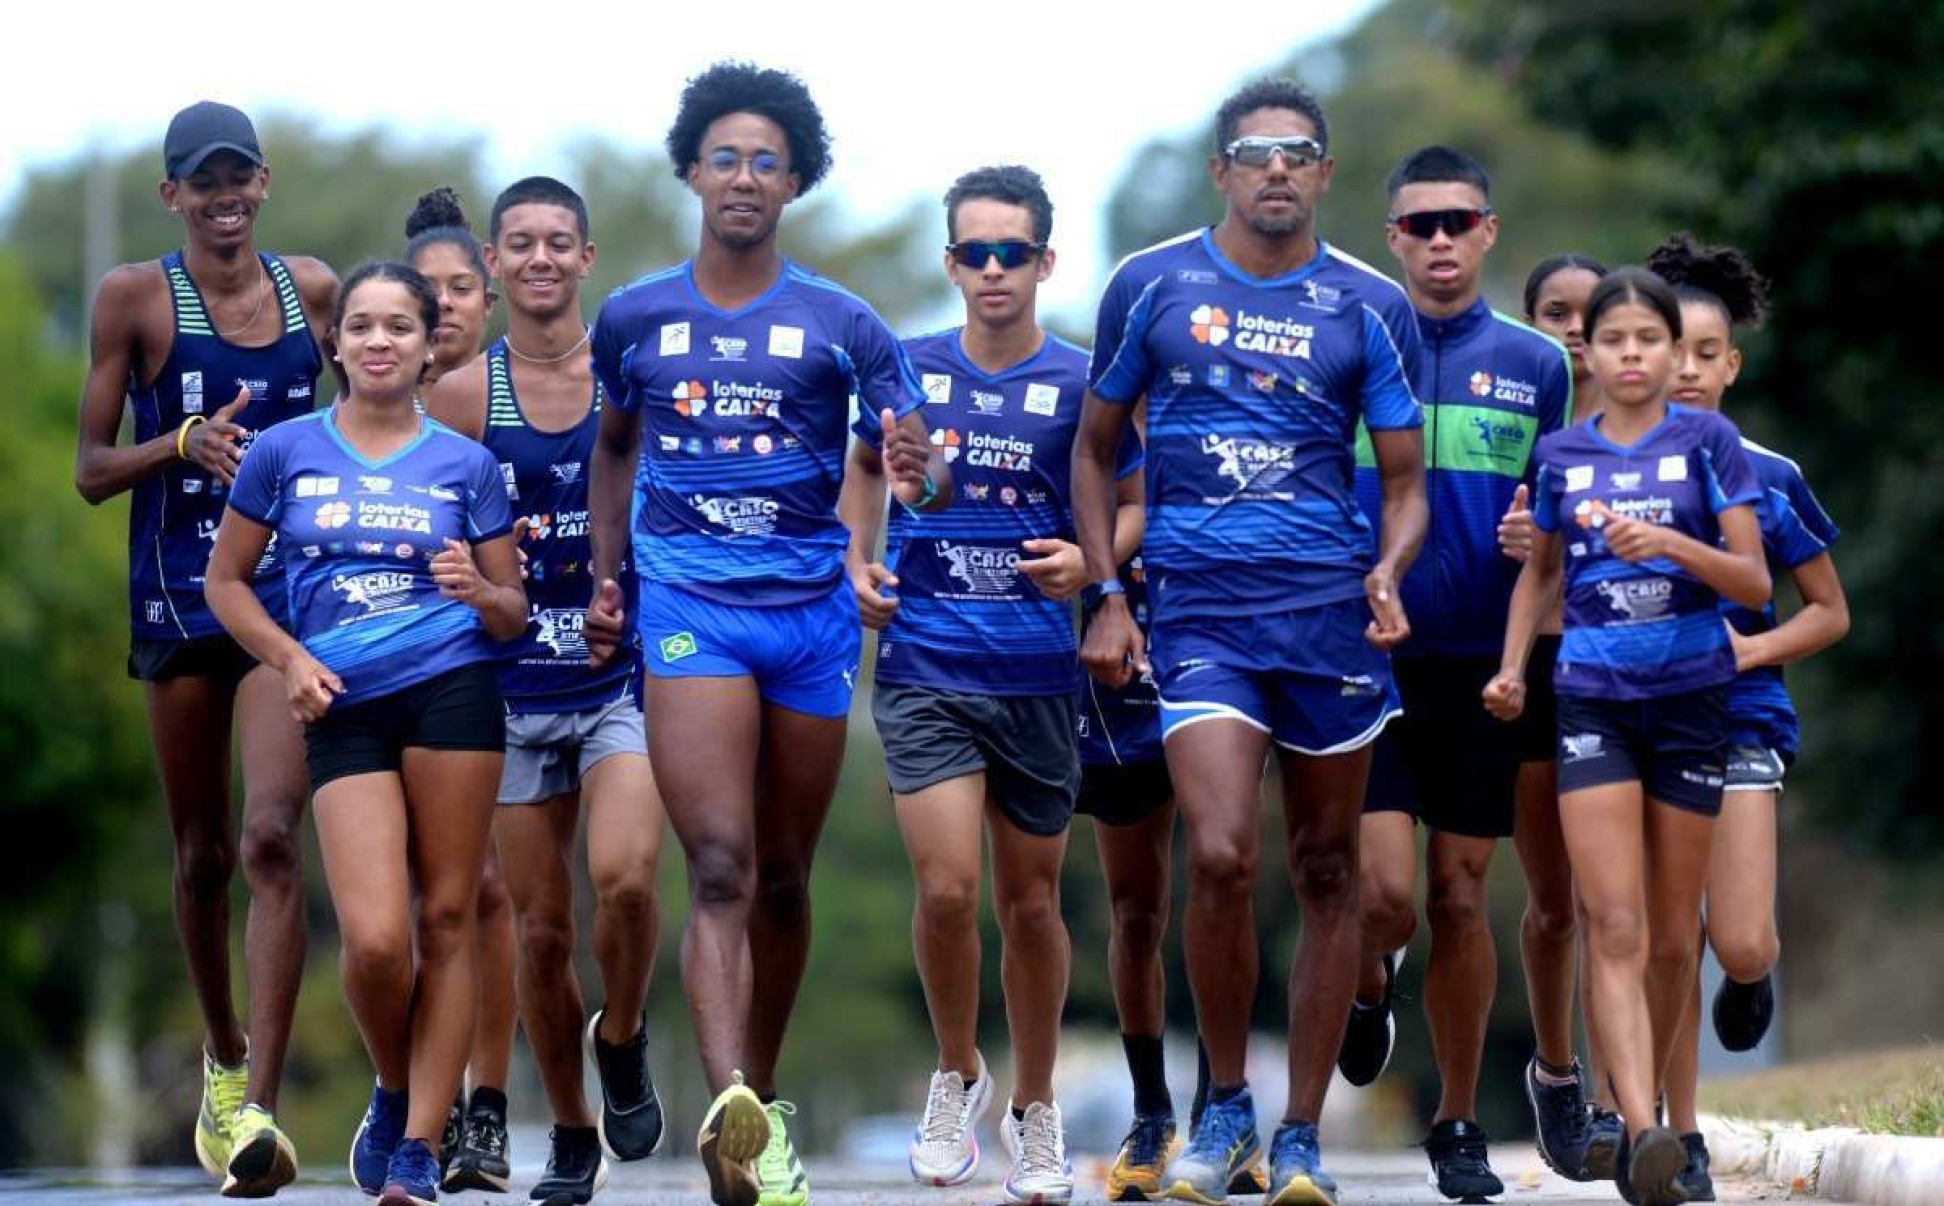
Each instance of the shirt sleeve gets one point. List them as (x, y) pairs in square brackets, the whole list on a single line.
[(1390, 359), (612, 350), (1111, 321), (487, 514), (1809, 511), (257, 492), (1130, 457), (1126, 376), (1555, 403), (880, 374), (1731, 477), (1545, 494)]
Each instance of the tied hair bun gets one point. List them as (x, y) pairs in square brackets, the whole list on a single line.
[(435, 210)]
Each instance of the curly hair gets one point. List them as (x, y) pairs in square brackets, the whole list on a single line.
[(1268, 94), (1721, 275), (735, 87), (438, 219)]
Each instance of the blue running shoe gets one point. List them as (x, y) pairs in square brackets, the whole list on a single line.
[(1296, 1176), (1224, 1143), (413, 1176), (378, 1135)]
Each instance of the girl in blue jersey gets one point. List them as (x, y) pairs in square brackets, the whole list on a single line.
[(206, 348), (1574, 1143), (473, 1149), (1720, 291), (402, 579), (1634, 507)]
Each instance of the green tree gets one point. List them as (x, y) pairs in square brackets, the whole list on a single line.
[(1813, 136)]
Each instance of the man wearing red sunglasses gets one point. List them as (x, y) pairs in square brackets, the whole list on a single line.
[(1490, 387)]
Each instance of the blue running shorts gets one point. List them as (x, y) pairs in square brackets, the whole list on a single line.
[(1308, 678), (803, 656)]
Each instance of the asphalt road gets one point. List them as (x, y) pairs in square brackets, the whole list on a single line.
[(1368, 1178)]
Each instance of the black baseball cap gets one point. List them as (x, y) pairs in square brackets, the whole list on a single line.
[(203, 129)]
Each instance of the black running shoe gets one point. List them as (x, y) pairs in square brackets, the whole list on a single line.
[(455, 1130), (1742, 1012), (481, 1160), (1606, 1134), (1459, 1167), (1371, 1032), (631, 1113), (576, 1169), (1651, 1167), (1559, 1120), (1694, 1182)]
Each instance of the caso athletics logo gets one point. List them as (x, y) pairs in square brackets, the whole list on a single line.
[(1638, 600), (560, 631), (377, 590), (1209, 325), (984, 569)]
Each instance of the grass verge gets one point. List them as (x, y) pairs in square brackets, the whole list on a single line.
[(1897, 1092)]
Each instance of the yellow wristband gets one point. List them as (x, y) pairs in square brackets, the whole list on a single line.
[(182, 435)]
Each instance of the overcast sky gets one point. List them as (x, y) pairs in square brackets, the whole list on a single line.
[(913, 93)]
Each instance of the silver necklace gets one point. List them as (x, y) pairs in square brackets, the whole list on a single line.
[(578, 345)]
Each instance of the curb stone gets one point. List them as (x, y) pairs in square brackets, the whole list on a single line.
[(1832, 1162)]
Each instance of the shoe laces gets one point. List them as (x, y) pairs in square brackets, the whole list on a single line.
[(944, 1121), (228, 1088), (1297, 1143), (1467, 1150), (774, 1163), (485, 1134), (412, 1162), (1147, 1139), (1042, 1142), (1222, 1124)]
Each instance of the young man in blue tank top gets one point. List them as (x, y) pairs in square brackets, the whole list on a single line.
[(976, 671), (573, 733), (207, 347), (1490, 388), (1259, 349), (730, 379)]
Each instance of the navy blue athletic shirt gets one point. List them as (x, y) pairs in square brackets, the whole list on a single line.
[(1640, 630), (361, 536), (968, 619), (546, 481), (173, 519)]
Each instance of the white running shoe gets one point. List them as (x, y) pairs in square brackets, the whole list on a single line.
[(1041, 1173), (945, 1146)]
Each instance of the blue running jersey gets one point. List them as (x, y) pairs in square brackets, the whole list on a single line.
[(968, 619), (1255, 388), (546, 481), (1124, 725), (1795, 530), (360, 537), (744, 419), (1652, 629), (174, 514), (1490, 388)]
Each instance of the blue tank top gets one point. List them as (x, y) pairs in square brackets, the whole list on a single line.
[(546, 481), (173, 519)]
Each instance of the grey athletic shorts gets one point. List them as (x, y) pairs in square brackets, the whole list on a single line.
[(548, 753)]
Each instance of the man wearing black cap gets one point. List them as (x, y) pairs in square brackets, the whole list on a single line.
[(209, 345)]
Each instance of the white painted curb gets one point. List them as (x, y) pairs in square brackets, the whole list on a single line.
[(1836, 1162)]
